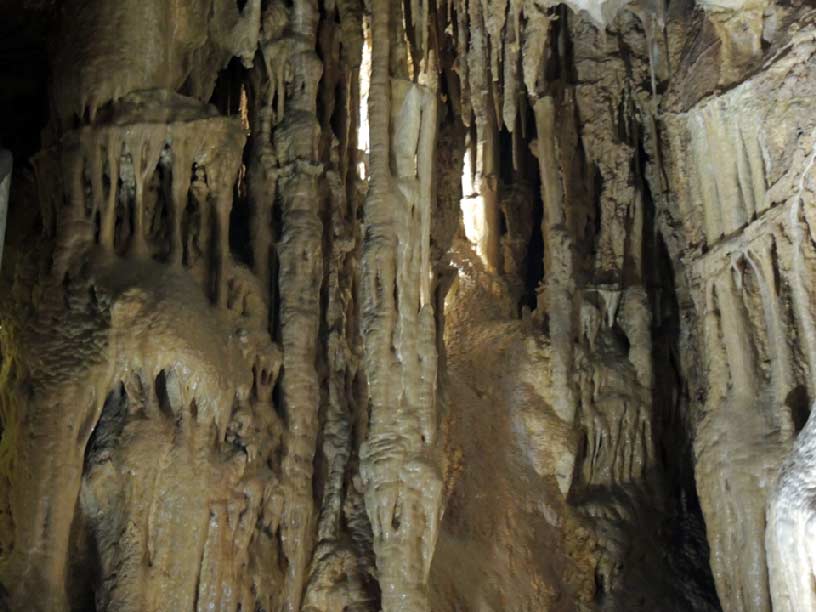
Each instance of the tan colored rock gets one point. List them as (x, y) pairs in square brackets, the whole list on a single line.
[(334, 306)]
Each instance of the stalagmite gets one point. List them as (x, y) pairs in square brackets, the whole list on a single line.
[(299, 249)]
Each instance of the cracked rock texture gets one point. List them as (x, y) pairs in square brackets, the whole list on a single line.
[(412, 306)]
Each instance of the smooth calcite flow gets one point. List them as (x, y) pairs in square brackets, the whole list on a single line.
[(407, 306)]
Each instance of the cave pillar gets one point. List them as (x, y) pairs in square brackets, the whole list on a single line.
[(287, 169), (558, 272), (402, 482)]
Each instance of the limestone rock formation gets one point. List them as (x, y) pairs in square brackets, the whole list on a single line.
[(342, 306), (5, 188)]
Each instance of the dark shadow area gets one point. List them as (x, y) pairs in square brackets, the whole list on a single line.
[(534, 259), (23, 78), (232, 97), (683, 527), (798, 403)]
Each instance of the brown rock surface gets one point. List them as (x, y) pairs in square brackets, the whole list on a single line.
[(337, 306)]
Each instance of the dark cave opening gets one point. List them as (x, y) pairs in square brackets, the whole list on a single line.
[(684, 524), (234, 96), (24, 73), (24, 112), (534, 257), (534, 260)]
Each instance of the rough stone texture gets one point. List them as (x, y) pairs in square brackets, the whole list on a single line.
[(327, 305), (5, 188), (738, 168)]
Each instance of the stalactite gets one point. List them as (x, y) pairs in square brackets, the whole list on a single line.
[(557, 259), (534, 49), (510, 77)]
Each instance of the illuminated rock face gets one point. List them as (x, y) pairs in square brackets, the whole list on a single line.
[(335, 306)]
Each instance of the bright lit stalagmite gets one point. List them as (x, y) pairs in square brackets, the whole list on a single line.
[(398, 466)]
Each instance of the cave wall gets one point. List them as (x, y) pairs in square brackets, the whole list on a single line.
[(737, 225), (327, 305)]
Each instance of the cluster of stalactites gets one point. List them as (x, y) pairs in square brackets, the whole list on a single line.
[(161, 190), (109, 50), (501, 48)]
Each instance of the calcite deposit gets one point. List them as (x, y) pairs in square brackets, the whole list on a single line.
[(5, 188), (407, 306)]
